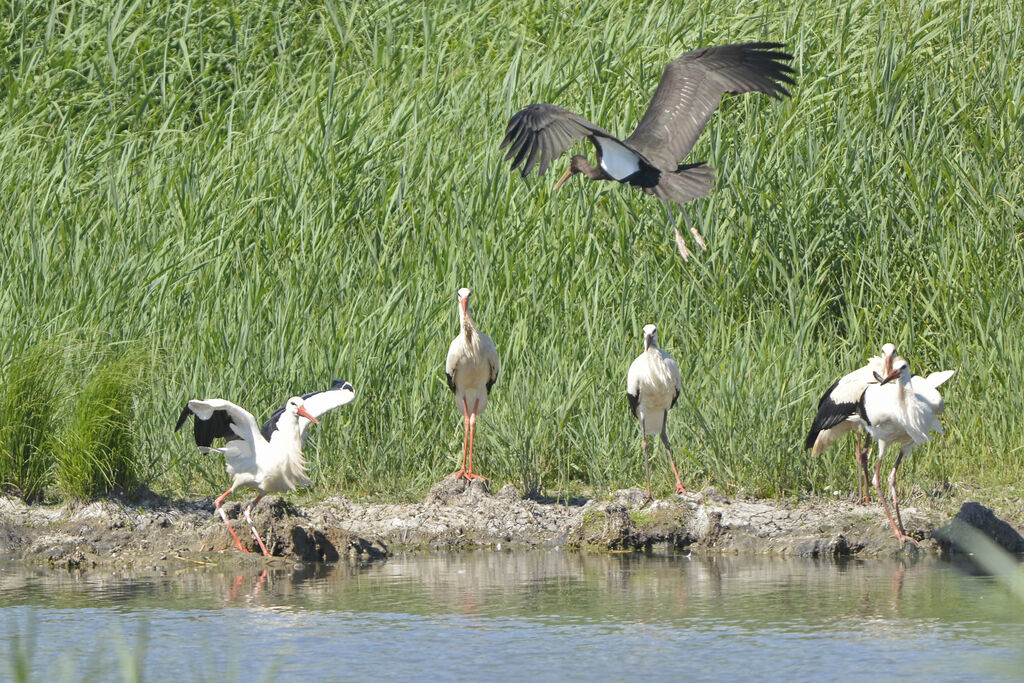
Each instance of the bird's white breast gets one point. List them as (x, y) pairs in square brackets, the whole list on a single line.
[(899, 414), (472, 364), (617, 160), (654, 376)]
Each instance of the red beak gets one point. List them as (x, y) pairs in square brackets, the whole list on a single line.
[(305, 413), (462, 304), (888, 378), (565, 176)]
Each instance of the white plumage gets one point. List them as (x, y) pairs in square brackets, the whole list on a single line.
[(472, 367), (837, 413), (653, 386), (267, 459), (273, 466), (902, 410), (616, 159)]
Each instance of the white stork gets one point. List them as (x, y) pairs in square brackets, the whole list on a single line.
[(653, 386), (903, 411), (268, 459), (837, 413), (472, 368)]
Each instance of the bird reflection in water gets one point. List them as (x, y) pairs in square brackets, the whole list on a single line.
[(233, 593)]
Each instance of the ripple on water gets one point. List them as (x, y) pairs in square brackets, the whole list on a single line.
[(539, 614)]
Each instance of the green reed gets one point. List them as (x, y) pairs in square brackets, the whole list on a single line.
[(265, 196)]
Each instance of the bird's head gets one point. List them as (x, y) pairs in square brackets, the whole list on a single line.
[(463, 296), (297, 407), (900, 371), (650, 337), (577, 164), (888, 354)]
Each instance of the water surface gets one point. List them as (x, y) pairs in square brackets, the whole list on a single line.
[(549, 615)]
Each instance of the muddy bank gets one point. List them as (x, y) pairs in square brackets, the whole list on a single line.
[(455, 516)]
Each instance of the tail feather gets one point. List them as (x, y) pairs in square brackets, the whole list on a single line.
[(937, 379), (184, 416), (688, 182)]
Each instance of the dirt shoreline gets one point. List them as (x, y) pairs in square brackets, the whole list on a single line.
[(158, 532)]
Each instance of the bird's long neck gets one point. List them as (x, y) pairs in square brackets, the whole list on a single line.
[(295, 464), (583, 165), (468, 328), (903, 389), (290, 438)]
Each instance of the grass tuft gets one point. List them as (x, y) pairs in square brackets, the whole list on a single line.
[(96, 452), (30, 395)]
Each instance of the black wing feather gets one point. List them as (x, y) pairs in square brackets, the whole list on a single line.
[(634, 403), (829, 415), (691, 88), (541, 132), (270, 426), (205, 431)]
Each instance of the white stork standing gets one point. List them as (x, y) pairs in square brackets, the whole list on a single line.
[(653, 386), (837, 414), (268, 459), (472, 368), (903, 411)]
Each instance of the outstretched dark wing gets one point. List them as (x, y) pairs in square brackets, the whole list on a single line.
[(216, 426), (541, 132), (691, 88), (216, 418), (317, 403)]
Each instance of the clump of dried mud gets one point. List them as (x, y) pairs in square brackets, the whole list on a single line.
[(456, 515)]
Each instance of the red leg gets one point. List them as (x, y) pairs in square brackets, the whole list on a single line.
[(881, 498), (902, 533), (461, 473), (664, 439), (472, 428), (217, 505), (252, 527)]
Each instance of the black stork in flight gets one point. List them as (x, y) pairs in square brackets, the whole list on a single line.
[(687, 95)]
